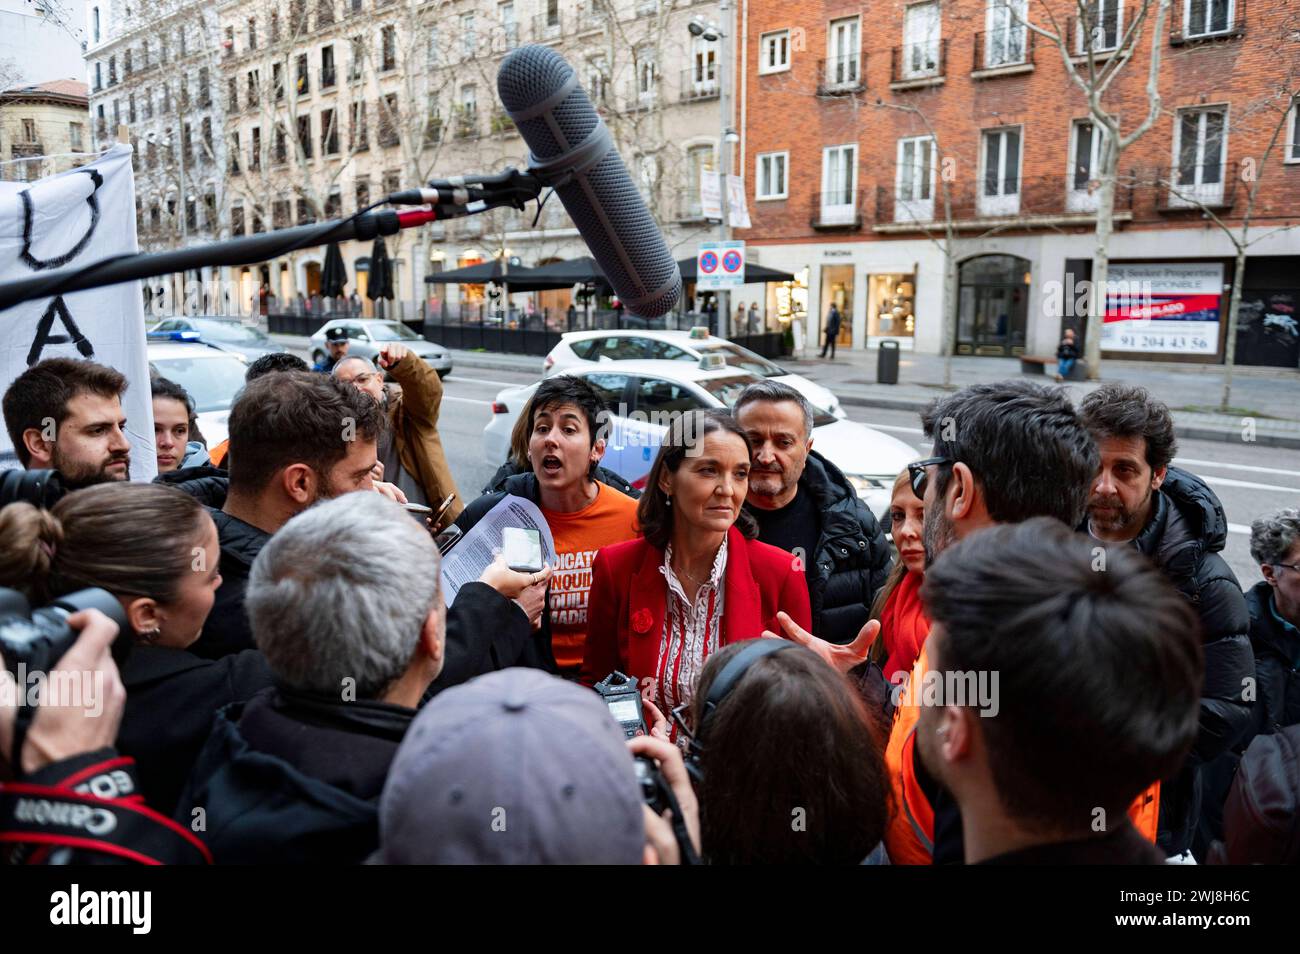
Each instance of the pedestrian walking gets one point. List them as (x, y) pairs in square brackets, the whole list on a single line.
[(832, 330)]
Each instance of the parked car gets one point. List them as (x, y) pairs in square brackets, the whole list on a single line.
[(639, 395), (211, 376), (228, 334), (369, 335), (579, 348)]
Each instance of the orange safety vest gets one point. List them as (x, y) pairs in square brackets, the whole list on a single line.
[(909, 835), (218, 454)]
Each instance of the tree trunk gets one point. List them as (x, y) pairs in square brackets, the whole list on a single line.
[(950, 308), (1101, 260), (1234, 305)]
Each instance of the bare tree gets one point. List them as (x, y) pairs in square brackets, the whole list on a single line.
[(1095, 47), (1266, 119)]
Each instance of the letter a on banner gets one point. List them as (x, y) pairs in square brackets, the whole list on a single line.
[(71, 219)]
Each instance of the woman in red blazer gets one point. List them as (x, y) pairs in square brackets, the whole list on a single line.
[(697, 579)]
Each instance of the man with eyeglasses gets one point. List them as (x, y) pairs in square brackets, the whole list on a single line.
[(410, 450), (1172, 517)]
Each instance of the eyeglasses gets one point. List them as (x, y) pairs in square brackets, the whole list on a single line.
[(1289, 566), (918, 473)]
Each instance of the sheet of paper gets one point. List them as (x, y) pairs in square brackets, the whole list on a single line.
[(476, 550)]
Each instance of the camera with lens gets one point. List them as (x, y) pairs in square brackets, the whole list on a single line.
[(40, 488), (37, 639)]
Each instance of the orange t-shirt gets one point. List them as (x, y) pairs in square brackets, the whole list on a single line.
[(610, 518)]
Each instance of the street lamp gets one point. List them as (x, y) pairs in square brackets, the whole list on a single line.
[(714, 33)]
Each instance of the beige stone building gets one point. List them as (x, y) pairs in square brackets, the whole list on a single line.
[(320, 107), (42, 128)]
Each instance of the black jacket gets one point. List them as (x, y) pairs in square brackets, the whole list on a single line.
[(294, 778), (1066, 351), (852, 557), (485, 632), (1183, 536), (172, 697), (1262, 813), (206, 483), (509, 469), (1123, 846), (227, 629), (1277, 665)]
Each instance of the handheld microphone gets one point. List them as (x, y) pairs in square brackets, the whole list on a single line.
[(571, 149)]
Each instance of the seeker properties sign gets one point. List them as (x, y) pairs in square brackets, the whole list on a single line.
[(1171, 308)]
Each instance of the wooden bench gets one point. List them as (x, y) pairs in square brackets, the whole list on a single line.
[(1038, 364)]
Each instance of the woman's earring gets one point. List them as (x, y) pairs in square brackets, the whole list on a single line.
[(668, 500)]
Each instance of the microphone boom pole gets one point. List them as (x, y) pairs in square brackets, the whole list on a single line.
[(247, 250)]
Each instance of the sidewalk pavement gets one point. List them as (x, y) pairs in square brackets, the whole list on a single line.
[(1266, 401)]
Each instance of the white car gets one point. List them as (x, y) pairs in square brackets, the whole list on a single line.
[(640, 393), (211, 376), (582, 348)]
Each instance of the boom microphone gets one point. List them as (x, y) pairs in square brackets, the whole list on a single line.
[(572, 150)]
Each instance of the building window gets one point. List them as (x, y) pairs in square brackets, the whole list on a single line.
[(234, 153), (232, 94), (95, 19), (302, 81), (1293, 132), (704, 68), (252, 33), (1000, 181), (1006, 32), (552, 12), (770, 176), (509, 26), (839, 185), (99, 77), (388, 48), (29, 130), (647, 169), (207, 134), (237, 219), (329, 133), (843, 53), (253, 83), (1085, 165), (358, 57), (646, 72), (699, 160), (304, 135), (1200, 147), (130, 108), (362, 189), (255, 149), (774, 52), (327, 77), (1100, 25), (468, 41), (281, 145), (921, 40), (914, 185), (76, 136), (597, 79), (1207, 17)]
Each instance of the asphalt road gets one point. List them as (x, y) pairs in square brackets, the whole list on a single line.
[(1250, 480)]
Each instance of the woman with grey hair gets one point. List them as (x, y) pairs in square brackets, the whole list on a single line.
[(1274, 605)]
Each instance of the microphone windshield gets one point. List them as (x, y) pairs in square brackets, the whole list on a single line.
[(540, 92)]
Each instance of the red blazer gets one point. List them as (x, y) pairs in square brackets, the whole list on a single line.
[(629, 600)]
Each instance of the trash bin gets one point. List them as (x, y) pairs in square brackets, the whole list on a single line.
[(887, 363)]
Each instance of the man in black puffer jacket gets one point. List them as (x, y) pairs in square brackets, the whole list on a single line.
[(1178, 522), (805, 505)]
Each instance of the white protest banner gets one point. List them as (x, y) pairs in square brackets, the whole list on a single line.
[(737, 210), (710, 195), (69, 219)]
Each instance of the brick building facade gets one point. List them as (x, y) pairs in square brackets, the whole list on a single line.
[(856, 117)]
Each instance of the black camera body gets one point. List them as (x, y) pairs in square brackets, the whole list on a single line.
[(37, 639)]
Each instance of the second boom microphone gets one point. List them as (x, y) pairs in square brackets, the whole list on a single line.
[(572, 148)]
